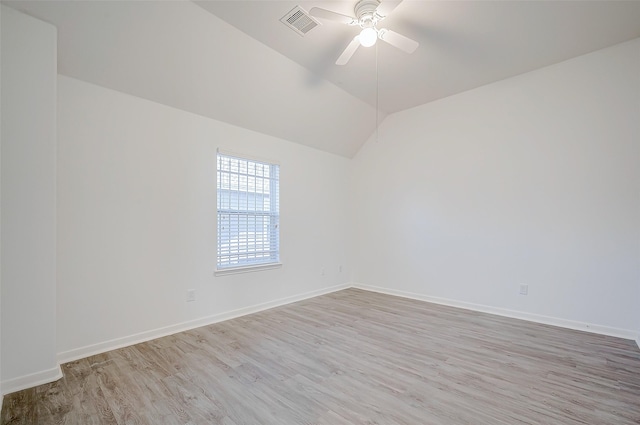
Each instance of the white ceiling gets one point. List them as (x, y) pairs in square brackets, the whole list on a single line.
[(178, 54), (236, 62), (463, 44)]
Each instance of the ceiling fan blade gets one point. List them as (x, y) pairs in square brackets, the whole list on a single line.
[(318, 12), (386, 7), (398, 40), (348, 52)]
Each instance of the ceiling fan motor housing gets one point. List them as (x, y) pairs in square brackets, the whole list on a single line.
[(365, 10)]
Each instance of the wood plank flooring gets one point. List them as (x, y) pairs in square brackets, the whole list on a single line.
[(351, 357)]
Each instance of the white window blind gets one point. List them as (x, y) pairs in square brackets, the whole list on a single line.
[(248, 212)]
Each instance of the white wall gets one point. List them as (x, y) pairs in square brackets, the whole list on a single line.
[(531, 180), (136, 219), (28, 200), (1, 393)]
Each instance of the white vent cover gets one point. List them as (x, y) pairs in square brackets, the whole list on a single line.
[(299, 20)]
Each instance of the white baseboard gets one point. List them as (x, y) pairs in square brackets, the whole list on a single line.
[(27, 381), (547, 320), (90, 350), (638, 341)]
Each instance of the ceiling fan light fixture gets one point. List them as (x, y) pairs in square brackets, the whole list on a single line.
[(367, 15), (368, 37)]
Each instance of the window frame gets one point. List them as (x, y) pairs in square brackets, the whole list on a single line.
[(274, 184)]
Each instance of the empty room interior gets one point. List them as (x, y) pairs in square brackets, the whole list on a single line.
[(320, 212)]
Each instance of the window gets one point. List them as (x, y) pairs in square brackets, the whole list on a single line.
[(248, 213)]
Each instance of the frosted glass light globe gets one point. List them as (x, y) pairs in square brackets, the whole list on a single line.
[(368, 37)]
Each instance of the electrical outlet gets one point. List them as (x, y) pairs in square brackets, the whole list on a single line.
[(191, 295), (524, 289)]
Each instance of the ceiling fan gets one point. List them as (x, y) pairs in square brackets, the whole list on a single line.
[(368, 14)]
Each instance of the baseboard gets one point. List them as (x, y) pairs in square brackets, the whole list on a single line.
[(547, 320), (638, 341), (28, 381), (90, 350)]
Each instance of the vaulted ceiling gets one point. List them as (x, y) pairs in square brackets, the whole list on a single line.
[(234, 61)]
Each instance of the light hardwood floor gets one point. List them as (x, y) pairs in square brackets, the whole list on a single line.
[(351, 357)]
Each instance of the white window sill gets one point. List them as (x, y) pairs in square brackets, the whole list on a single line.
[(247, 269)]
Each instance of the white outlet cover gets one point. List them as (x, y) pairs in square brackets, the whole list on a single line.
[(191, 295)]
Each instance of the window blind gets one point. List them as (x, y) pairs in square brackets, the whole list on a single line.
[(248, 212)]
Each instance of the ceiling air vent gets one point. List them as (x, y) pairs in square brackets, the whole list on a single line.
[(299, 20)]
